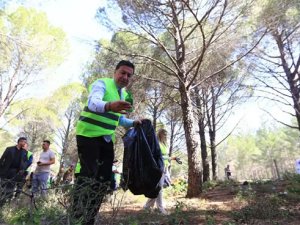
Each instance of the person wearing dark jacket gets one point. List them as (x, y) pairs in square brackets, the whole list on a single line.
[(13, 164), (26, 172)]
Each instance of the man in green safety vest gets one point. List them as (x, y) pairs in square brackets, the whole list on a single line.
[(95, 135)]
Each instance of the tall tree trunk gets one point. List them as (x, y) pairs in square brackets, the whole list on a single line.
[(171, 146), (192, 143), (292, 80), (65, 139), (205, 163), (212, 138), (211, 118)]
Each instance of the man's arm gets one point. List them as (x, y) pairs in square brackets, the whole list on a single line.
[(3, 157), (52, 158), (125, 122), (5, 162), (29, 161), (95, 102), (52, 161)]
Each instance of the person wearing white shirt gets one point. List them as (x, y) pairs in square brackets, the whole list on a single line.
[(42, 171), (95, 135)]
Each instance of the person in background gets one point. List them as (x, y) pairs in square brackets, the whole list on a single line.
[(42, 171), (116, 176), (227, 172), (162, 139), (26, 172), (95, 135), (13, 164)]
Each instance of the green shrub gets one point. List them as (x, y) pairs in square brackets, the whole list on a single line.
[(210, 220), (267, 208), (208, 185), (178, 186), (179, 216), (22, 211), (294, 182)]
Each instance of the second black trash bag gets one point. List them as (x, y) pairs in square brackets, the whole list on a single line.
[(142, 162)]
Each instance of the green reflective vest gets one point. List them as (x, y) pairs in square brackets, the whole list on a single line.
[(29, 153), (77, 168), (128, 98), (164, 152), (93, 124)]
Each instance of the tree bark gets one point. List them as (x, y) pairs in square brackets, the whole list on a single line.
[(291, 76), (192, 143), (204, 155), (211, 118)]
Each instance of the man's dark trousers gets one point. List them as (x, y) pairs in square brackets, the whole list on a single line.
[(96, 159)]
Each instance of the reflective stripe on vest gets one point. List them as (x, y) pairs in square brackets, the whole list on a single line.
[(94, 124)]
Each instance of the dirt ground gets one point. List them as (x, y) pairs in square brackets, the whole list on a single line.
[(220, 205)]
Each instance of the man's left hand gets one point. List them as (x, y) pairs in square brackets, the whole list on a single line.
[(137, 122)]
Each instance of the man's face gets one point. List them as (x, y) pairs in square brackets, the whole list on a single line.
[(123, 75), (45, 145), (22, 143)]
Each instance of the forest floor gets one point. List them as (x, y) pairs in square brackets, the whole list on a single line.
[(221, 203), (234, 203)]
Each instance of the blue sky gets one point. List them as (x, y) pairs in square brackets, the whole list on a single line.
[(77, 19)]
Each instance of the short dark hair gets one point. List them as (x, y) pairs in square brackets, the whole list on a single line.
[(125, 63), (22, 139), (47, 141)]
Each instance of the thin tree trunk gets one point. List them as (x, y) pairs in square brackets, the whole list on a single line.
[(171, 146), (205, 163), (212, 135), (276, 168)]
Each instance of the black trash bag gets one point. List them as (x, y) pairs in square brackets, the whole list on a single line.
[(142, 163)]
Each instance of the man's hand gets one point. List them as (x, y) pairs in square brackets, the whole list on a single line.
[(118, 106), (137, 122), (41, 163)]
